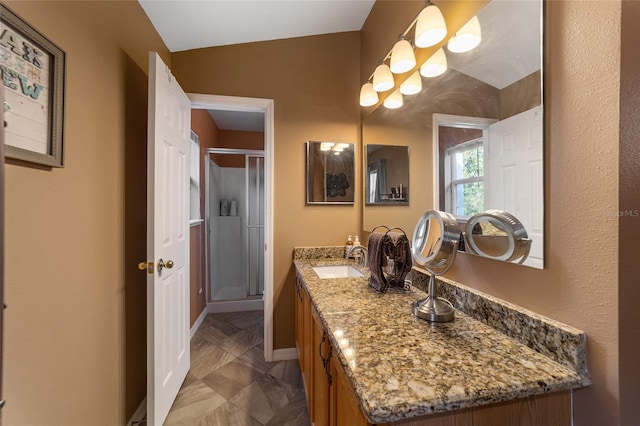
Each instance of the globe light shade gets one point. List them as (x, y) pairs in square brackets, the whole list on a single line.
[(412, 85), (467, 38), (436, 65), (430, 27), (368, 96), (402, 57), (394, 100), (382, 78)]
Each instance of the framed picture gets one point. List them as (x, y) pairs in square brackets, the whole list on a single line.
[(33, 74)]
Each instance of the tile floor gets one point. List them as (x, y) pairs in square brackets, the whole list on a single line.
[(230, 384)]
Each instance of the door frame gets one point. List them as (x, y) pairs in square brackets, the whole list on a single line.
[(265, 106)]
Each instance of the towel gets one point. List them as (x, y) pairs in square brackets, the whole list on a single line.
[(376, 262), (396, 246)]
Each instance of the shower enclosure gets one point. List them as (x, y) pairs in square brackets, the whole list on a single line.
[(236, 217)]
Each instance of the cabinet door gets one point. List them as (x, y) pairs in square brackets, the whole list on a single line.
[(307, 347), (345, 409), (321, 379), (299, 311)]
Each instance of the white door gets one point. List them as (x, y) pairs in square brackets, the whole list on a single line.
[(167, 240), (515, 156)]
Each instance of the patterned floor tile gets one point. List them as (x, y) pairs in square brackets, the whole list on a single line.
[(194, 401), (231, 378), (255, 358), (229, 414), (230, 383), (259, 404), (292, 414)]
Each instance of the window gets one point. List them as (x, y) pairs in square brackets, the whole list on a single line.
[(194, 180), (464, 179)]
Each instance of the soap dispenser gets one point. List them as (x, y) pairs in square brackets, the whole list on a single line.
[(347, 247)]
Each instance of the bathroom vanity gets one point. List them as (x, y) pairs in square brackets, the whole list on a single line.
[(367, 360)]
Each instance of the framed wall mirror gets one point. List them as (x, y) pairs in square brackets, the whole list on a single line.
[(490, 102), (386, 179), (330, 173)]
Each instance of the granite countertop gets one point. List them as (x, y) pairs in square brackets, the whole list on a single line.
[(400, 366)]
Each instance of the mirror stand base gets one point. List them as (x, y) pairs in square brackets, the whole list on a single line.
[(433, 309)]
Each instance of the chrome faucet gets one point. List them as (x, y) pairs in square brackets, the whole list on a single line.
[(361, 255)]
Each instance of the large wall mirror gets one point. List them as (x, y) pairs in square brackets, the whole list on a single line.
[(386, 175), (476, 131), (330, 173)]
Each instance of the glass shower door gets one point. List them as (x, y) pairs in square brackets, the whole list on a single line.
[(255, 224)]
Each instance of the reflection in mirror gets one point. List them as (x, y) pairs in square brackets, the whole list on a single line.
[(485, 115), (387, 175), (330, 173), (499, 235)]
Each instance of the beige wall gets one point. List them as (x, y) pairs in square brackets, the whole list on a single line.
[(74, 331), (314, 82), (579, 283), (74, 235)]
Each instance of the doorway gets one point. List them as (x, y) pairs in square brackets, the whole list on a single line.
[(235, 226), (265, 107)]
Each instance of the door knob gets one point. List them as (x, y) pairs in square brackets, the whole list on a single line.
[(162, 264), (146, 266)]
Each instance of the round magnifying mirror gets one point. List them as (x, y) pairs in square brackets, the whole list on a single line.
[(435, 241), (434, 247), (496, 234)]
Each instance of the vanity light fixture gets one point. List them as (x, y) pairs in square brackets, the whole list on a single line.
[(368, 96), (394, 100), (402, 57), (412, 85), (430, 27), (436, 65), (467, 38), (382, 78)]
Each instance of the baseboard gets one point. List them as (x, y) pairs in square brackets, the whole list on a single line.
[(235, 306), (285, 354), (139, 414), (198, 323)]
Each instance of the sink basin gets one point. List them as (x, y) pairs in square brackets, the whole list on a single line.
[(337, 271)]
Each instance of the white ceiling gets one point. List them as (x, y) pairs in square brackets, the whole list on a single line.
[(193, 24), (239, 121)]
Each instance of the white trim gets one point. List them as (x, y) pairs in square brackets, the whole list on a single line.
[(195, 222), (199, 321), (235, 306), (285, 354), (243, 104), (138, 415)]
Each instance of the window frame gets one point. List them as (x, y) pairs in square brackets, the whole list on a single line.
[(451, 183)]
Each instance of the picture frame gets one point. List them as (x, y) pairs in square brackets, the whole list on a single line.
[(32, 69)]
